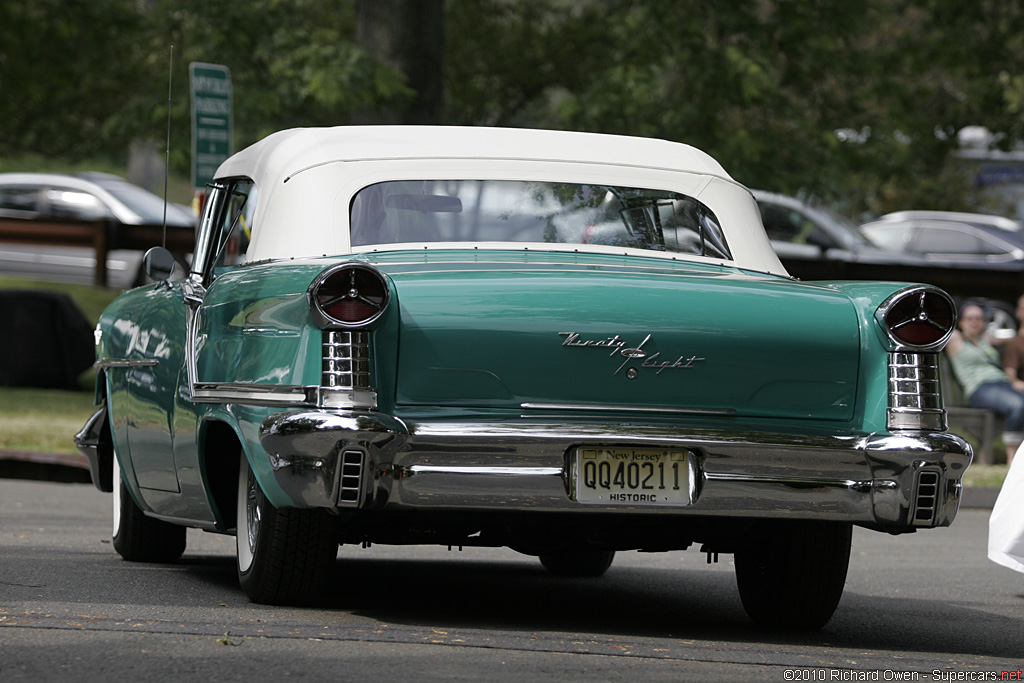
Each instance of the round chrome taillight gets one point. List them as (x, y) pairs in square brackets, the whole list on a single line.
[(348, 295), (918, 318)]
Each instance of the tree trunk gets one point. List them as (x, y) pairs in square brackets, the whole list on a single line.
[(409, 35)]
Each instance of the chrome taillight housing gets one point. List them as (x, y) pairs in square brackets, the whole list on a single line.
[(917, 322), (348, 295), (917, 319)]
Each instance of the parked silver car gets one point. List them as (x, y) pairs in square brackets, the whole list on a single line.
[(83, 197), (949, 237)]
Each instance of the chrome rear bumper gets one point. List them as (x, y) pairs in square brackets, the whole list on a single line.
[(897, 482)]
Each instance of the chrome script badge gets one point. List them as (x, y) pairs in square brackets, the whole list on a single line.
[(637, 355)]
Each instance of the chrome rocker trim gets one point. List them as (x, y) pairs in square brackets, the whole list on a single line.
[(897, 482), (125, 363), (284, 395), (253, 394)]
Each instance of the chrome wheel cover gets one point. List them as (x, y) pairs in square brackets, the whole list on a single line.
[(248, 516), (253, 513)]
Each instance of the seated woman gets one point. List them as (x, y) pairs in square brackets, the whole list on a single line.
[(976, 365)]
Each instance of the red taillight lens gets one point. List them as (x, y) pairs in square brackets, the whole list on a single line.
[(920, 317), (349, 295)]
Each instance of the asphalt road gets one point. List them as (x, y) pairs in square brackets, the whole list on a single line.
[(927, 606)]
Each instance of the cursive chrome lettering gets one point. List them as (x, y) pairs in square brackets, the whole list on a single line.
[(683, 362), (573, 339), (615, 344)]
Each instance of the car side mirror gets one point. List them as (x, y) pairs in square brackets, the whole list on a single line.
[(158, 264)]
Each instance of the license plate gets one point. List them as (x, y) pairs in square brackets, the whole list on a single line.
[(633, 476)]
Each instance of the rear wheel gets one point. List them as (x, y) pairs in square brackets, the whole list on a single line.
[(794, 575), (139, 538), (578, 562), (285, 556)]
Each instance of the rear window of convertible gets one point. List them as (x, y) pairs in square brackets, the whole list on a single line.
[(528, 211)]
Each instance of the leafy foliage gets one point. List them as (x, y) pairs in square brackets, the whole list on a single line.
[(854, 101), (63, 77), (858, 102)]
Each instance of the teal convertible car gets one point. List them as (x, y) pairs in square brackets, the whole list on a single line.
[(568, 344)]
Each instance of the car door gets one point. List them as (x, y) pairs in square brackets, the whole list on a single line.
[(156, 342), (161, 410)]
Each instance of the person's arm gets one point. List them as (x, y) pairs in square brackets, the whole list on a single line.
[(955, 344), (1011, 363)]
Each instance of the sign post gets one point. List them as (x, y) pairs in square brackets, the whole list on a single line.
[(212, 120)]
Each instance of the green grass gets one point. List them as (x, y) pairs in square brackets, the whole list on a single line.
[(34, 163), (42, 420), (985, 475)]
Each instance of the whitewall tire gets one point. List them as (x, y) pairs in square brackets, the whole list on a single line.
[(139, 538), (285, 556)]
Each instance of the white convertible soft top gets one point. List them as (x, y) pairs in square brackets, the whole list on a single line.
[(306, 178), (285, 153)]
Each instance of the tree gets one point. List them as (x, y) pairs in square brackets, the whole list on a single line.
[(860, 103), (511, 62), (407, 35), (734, 79), (292, 64), (65, 67), (853, 102)]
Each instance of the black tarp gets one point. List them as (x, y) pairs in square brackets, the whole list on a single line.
[(45, 340)]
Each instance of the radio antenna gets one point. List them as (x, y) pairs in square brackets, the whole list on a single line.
[(167, 152)]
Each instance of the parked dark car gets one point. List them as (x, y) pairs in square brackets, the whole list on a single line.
[(815, 243), (84, 197)]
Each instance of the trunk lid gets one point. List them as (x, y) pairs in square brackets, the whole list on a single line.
[(529, 330)]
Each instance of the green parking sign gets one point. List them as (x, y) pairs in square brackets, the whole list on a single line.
[(212, 121)]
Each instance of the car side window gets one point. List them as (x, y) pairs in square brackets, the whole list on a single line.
[(895, 237), (990, 248), (787, 225), (934, 240), (225, 228), (236, 231), (15, 201)]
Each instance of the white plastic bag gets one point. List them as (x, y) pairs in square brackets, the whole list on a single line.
[(1006, 525)]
